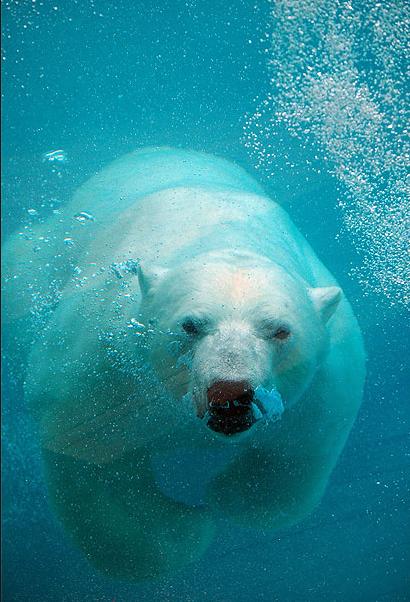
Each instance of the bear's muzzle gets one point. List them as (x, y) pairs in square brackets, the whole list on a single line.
[(230, 407)]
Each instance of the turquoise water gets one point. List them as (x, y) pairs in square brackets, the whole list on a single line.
[(310, 98)]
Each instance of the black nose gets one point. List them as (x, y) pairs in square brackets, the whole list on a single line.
[(230, 406)]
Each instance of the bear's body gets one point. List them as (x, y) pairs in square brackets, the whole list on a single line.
[(229, 297)]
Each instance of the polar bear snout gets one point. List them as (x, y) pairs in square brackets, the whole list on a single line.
[(230, 406), (225, 392)]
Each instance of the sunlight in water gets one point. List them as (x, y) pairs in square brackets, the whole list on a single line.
[(338, 80)]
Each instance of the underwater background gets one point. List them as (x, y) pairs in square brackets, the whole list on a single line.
[(312, 98)]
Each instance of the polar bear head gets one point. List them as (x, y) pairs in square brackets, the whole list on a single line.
[(224, 324)]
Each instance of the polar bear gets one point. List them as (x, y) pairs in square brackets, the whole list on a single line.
[(187, 307)]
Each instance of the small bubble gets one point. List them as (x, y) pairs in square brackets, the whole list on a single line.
[(83, 217), (136, 326), (57, 156), (32, 212), (54, 202)]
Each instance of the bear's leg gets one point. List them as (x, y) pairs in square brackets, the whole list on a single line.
[(267, 490), (117, 515)]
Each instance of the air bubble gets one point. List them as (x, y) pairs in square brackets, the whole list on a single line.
[(83, 217), (137, 327), (346, 96), (57, 156)]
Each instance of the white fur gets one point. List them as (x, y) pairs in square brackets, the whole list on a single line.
[(115, 379)]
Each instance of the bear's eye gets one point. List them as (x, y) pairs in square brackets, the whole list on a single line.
[(270, 329), (191, 326), (281, 333)]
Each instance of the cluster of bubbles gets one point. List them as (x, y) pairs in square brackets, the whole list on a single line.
[(56, 161), (45, 286), (338, 80)]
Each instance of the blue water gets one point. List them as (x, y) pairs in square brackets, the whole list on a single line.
[(99, 79)]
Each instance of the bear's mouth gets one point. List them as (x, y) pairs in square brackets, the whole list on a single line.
[(230, 407), (234, 406), (230, 425)]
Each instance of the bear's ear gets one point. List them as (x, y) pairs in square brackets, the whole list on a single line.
[(149, 277), (326, 299)]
